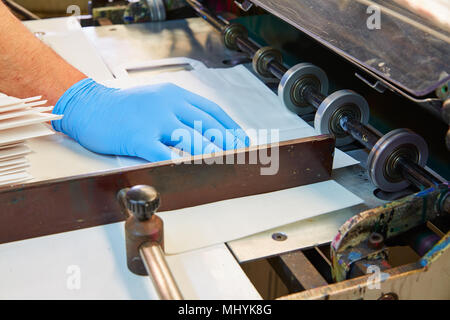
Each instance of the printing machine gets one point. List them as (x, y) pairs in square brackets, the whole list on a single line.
[(380, 95)]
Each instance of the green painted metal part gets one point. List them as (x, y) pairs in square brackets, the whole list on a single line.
[(392, 219)]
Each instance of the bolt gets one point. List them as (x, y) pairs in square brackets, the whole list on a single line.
[(279, 236)]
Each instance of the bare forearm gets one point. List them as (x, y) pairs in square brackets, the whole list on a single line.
[(27, 66)]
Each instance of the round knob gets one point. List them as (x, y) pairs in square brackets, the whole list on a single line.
[(142, 201)]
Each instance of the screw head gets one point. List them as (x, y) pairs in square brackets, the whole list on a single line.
[(279, 236), (143, 201)]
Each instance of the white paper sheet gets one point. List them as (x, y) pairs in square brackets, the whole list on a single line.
[(15, 135), (10, 179), (223, 221), (27, 120), (9, 145), (13, 169), (57, 156), (23, 112), (14, 152), (14, 162), (20, 119), (7, 101)]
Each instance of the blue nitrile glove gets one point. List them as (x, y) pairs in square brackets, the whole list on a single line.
[(140, 121)]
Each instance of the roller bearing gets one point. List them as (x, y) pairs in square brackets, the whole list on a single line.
[(230, 34), (296, 78), (381, 163), (334, 107), (263, 57)]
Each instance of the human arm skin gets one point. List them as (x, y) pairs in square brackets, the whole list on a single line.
[(28, 67), (142, 122)]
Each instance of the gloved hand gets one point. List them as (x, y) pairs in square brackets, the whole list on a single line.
[(141, 121)]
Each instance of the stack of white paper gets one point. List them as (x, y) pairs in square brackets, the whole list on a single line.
[(20, 119)]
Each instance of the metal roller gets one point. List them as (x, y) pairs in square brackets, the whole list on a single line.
[(263, 58), (157, 10), (334, 107), (300, 75), (231, 33), (396, 160), (383, 160)]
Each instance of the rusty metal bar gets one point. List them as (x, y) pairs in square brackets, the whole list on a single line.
[(297, 272), (303, 270), (62, 205)]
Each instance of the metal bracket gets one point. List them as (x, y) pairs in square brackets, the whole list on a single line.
[(244, 5), (350, 244), (378, 85)]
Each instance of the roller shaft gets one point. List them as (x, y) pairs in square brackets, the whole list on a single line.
[(277, 69), (249, 47), (313, 96), (410, 170), (360, 132), (207, 15), (415, 174)]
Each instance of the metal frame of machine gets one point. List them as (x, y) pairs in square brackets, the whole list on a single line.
[(396, 160)]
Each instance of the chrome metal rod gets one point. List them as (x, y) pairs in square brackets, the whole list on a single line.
[(247, 46), (244, 44), (159, 272), (313, 96), (277, 69), (207, 15), (417, 175), (360, 132)]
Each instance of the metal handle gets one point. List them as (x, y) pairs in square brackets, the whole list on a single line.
[(159, 272), (144, 236)]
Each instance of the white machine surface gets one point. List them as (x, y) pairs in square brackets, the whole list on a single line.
[(97, 254), (91, 264)]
